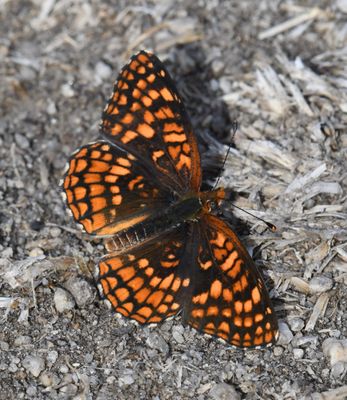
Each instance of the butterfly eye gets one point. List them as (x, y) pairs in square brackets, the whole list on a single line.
[(209, 205)]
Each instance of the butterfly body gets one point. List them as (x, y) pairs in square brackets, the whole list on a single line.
[(139, 188)]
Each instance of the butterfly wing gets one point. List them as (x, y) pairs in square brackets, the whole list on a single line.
[(145, 116), (228, 297), (145, 283), (108, 190)]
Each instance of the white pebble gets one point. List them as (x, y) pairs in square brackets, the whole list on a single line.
[(286, 335), (52, 357), (34, 365), (156, 341), (81, 291), (35, 252), (66, 90), (223, 391), (55, 232), (127, 378), (296, 324), (298, 353), (320, 284), (103, 71), (31, 391), (336, 350), (64, 369), (338, 369), (22, 340), (63, 300), (46, 379), (177, 334), (342, 5), (278, 350)]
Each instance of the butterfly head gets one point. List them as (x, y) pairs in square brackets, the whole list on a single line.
[(212, 199)]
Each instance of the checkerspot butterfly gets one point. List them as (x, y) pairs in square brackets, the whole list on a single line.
[(139, 187)]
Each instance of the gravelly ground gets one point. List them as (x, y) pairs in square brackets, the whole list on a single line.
[(279, 69)]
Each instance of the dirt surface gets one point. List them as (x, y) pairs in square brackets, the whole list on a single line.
[(276, 67)]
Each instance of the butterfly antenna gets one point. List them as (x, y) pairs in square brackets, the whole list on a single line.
[(271, 226), (235, 126)]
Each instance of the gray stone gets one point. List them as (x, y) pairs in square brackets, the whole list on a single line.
[(320, 284), (223, 391), (63, 300), (34, 365), (80, 290)]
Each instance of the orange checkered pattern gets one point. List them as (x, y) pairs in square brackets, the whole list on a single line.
[(140, 188)]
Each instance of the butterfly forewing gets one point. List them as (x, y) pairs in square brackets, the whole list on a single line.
[(146, 117), (108, 191)]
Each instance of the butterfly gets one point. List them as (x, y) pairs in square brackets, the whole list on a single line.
[(139, 188)]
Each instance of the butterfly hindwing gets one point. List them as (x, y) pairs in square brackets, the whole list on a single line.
[(145, 283), (145, 116), (228, 296)]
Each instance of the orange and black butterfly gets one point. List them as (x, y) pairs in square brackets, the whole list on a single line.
[(167, 253)]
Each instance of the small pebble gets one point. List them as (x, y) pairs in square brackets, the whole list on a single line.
[(223, 391), (278, 350), (338, 369), (52, 357), (127, 378), (102, 70), (304, 341), (80, 290), (66, 90), (320, 284), (7, 252), (13, 368), (55, 232), (63, 300), (286, 335), (4, 346), (15, 360), (177, 334), (48, 379), (69, 390), (51, 107), (298, 353), (296, 324), (3, 366), (336, 350), (88, 358), (225, 85), (156, 341), (342, 5), (22, 340), (35, 252), (217, 67), (34, 365), (21, 141), (64, 369), (31, 391), (110, 379)]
